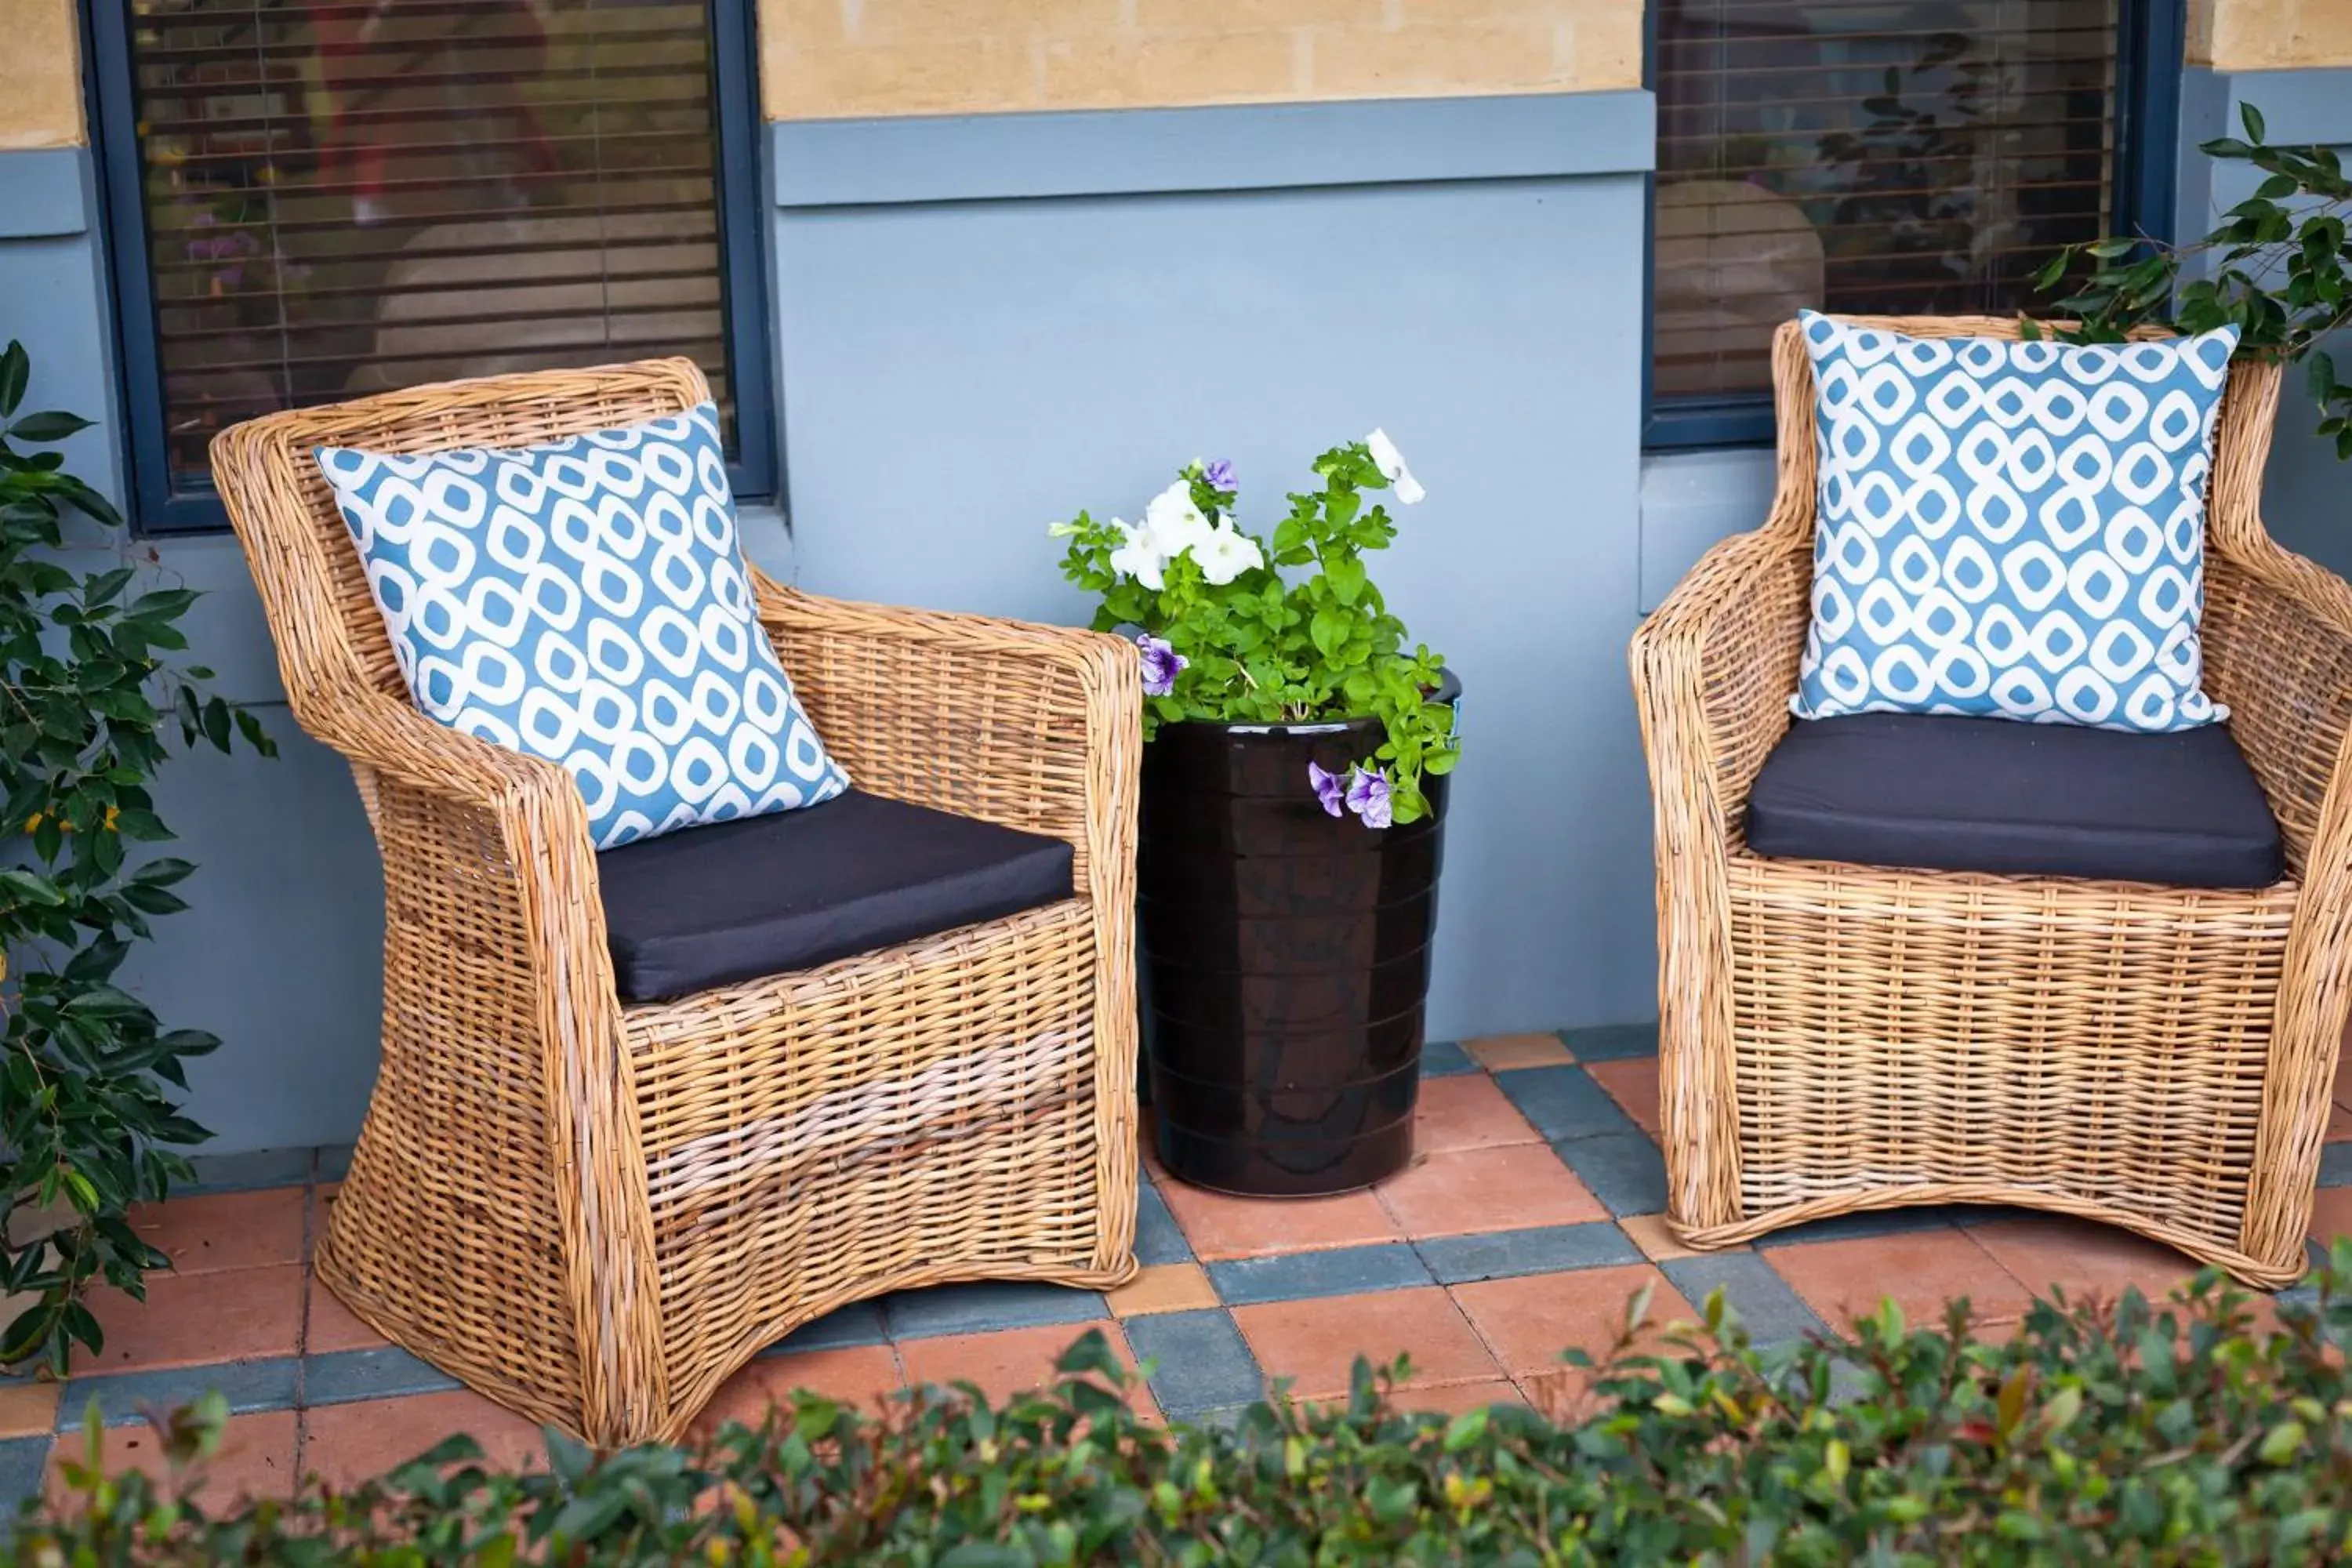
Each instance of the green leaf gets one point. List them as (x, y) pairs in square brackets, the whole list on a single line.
[(2252, 118), (2319, 375), (2281, 1443), (49, 426), (15, 369)]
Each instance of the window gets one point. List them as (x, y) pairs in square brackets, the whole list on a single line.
[(314, 199), (1892, 157)]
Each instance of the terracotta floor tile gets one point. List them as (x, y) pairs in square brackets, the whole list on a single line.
[(255, 1458), (1502, 1052), (1466, 1111), (1315, 1343), (1515, 1187), (1920, 1269), (864, 1375), (1454, 1398), (29, 1409), (1012, 1361), (349, 1443), (2339, 1124), (1633, 1085), (1529, 1321), (193, 1320), (1657, 1243), (2343, 1072), (2331, 1216), (1221, 1226), (2087, 1258), (332, 1326), (1165, 1287), (225, 1230)]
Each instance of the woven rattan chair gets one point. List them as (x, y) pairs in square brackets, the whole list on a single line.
[(594, 1212), (1837, 1037)]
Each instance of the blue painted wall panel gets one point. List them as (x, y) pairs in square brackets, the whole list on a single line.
[(956, 377)]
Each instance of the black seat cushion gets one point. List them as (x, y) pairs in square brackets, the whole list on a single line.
[(737, 901), (1989, 794)]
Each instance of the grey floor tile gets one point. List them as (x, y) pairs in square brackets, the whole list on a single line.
[(1770, 1310), (1226, 1417), (1612, 1042), (859, 1323), (1298, 1275), (247, 1172), (1563, 1102), (1199, 1361), (990, 1304), (125, 1398), (22, 1460), (2336, 1165), (1624, 1170), (1877, 1221), (342, 1377), (1459, 1259), (1157, 1237), (1444, 1058)]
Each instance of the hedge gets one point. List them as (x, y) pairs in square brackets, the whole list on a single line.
[(2185, 1432)]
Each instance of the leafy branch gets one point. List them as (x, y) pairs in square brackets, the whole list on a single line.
[(1260, 647), (87, 698), (2276, 268)]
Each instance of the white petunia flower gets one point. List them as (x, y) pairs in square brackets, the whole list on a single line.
[(1391, 463), (1226, 554), (1142, 557), (1174, 521)]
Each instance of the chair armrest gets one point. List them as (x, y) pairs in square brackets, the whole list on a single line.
[(1034, 726), (2278, 652), (1714, 668)]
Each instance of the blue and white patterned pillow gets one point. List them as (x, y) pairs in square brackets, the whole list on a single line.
[(2009, 529), (585, 601)]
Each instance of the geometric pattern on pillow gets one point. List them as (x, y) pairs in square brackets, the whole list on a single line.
[(2011, 529), (585, 601)]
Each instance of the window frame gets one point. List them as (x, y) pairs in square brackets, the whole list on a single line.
[(157, 507), (2151, 38)]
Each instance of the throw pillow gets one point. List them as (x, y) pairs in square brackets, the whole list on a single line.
[(586, 601), (2011, 529)]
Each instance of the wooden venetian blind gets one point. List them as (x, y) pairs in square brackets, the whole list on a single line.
[(1866, 155), (345, 197)]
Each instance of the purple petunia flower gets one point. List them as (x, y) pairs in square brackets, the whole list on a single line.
[(1162, 664), (1328, 788), (1220, 477), (1368, 797)]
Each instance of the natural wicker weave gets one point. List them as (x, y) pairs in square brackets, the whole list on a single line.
[(594, 1213), (1837, 1037)]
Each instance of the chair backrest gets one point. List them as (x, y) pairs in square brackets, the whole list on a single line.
[(330, 636), (2242, 441)]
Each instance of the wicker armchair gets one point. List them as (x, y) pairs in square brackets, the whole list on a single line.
[(594, 1212), (1837, 1037)]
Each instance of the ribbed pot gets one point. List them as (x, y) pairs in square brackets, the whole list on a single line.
[(1286, 958)]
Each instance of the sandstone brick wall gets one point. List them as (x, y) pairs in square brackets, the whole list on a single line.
[(40, 74), (838, 58), (2270, 35)]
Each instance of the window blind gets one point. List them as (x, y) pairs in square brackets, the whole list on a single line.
[(1866, 155), (345, 197)]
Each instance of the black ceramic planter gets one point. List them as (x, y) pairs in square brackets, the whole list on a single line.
[(1288, 960)]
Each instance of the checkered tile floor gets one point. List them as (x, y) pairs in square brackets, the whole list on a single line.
[(1530, 1217)]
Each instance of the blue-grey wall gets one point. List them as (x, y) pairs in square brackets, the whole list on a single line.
[(986, 326), (2308, 493), (1691, 499), (983, 326), (280, 953)]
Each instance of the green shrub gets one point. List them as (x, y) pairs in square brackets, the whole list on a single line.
[(2098, 1433)]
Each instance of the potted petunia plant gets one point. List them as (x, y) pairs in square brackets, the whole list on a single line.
[(1294, 798)]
